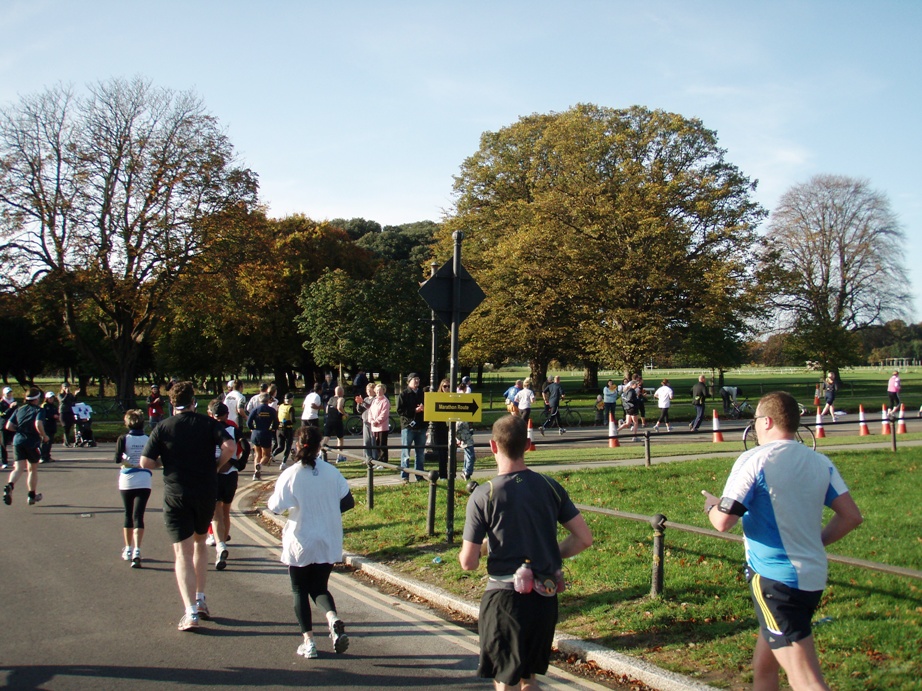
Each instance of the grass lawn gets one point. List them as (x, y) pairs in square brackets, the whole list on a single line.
[(703, 625)]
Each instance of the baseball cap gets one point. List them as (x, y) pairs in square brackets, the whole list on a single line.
[(231, 383), (7, 389), (289, 397), (412, 375), (220, 409), (465, 380), (49, 394)]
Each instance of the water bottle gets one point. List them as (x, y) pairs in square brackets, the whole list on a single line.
[(524, 579)]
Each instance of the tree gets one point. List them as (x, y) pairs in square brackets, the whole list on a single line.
[(836, 265), (598, 235), (103, 197)]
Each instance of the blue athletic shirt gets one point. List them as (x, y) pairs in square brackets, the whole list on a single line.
[(784, 486)]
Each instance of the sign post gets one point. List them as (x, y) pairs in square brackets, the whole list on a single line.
[(452, 293)]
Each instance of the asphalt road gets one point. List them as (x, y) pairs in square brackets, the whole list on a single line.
[(75, 616)]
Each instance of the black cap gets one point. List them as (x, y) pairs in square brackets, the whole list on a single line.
[(412, 375)]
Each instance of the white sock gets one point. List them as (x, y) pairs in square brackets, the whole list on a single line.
[(191, 609), (200, 597)]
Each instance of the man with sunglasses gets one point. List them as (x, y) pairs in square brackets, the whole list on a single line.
[(779, 489)]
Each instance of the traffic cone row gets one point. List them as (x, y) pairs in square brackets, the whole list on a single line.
[(612, 432), (531, 442), (820, 432), (718, 435), (863, 430)]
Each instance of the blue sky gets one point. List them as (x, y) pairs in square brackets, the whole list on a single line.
[(368, 109)]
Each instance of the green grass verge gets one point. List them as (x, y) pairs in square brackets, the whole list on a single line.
[(703, 625)]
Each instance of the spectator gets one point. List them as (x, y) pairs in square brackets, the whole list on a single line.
[(7, 410), (154, 406), (465, 385), (379, 415), (610, 399), (729, 394), (50, 407), (327, 389), (413, 429), (515, 515), (68, 419)]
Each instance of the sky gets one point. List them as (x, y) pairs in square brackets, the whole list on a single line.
[(368, 108)]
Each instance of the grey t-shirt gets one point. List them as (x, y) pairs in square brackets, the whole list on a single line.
[(519, 512)]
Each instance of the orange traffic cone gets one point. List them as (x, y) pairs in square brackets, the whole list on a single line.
[(863, 430), (816, 395), (901, 425), (612, 432), (531, 443), (884, 421), (820, 432), (718, 435)]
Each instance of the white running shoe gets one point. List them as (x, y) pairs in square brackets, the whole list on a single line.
[(201, 610), (136, 559), (188, 622), (221, 564), (210, 540), (308, 650), (338, 635), (126, 554)]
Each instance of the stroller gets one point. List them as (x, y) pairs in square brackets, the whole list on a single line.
[(84, 425)]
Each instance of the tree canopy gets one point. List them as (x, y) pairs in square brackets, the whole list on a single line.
[(603, 235), (834, 265), (102, 198)]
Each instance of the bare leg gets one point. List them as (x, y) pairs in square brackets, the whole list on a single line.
[(127, 535), (765, 667), (220, 524), (802, 665), (32, 477), (138, 536), (191, 567)]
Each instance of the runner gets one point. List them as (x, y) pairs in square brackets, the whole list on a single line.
[(26, 422), (134, 484)]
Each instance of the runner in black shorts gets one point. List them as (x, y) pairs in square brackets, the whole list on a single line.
[(27, 422), (184, 446)]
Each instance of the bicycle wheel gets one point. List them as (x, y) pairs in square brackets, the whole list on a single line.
[(354, 425), (805, 436), (750, 438), (572, 418)]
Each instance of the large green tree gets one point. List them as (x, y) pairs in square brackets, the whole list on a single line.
[(836, 265), (602, 234), (103, 197)]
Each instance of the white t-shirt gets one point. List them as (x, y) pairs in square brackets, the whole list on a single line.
[(308, 412), (233, 400), (663, 396), (314, 531), (524, 399)]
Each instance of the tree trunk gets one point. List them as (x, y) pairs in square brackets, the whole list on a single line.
[(538, 373), (591, 375)]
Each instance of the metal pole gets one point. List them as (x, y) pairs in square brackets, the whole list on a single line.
[(646, 447), (370, 490), (457, 236), (893, 423), (430, 514), (659, 528)]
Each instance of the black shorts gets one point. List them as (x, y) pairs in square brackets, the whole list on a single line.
[(27, 453), (784, 613), (187, 514), (334, 428), (262, 438), (227, 487), (516, 635)]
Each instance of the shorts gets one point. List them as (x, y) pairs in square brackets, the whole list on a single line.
[(227, 487), (784, 613), (516, 635), (187, 514), (262, 438), (27, 453), (334, 428), (313, 422)]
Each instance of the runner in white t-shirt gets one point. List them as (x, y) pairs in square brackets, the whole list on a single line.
[(310, 409)]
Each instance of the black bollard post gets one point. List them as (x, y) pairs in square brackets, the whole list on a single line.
[(430, 519), (370, 490), (893, 422), (659, 528), (646, 447)]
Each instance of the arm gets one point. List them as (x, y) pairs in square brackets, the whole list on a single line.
[(150, 463), (847, 517), (228, 447), (580, 537), (720, 520), (469, 555)]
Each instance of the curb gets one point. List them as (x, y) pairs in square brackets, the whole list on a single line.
[(605, 658)]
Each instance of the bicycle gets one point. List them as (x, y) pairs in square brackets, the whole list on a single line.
[(803, 434), (354, 425), (741, 409), (568, 417)]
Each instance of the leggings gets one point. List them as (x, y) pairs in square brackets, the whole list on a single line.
[(135, 501), (310, 580), (663, 416)]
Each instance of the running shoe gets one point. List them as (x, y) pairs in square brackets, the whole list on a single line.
[(257, 475), (7, 465), (338, 634), (35, 499), (126, 554), (221, 564), (541, 429), (201, 610), (188, 622), (561, 431), (136, 559), (308, 650), (341, 458), (210, 540), (8, 494), (282, 466)]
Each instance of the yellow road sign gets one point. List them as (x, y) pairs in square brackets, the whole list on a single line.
[(448, 407)]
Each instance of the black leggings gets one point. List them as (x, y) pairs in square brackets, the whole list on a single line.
[(663, 416), (310, 580), (135, 501)]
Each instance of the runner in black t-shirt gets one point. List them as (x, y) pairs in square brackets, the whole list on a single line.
[(184, 446)]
